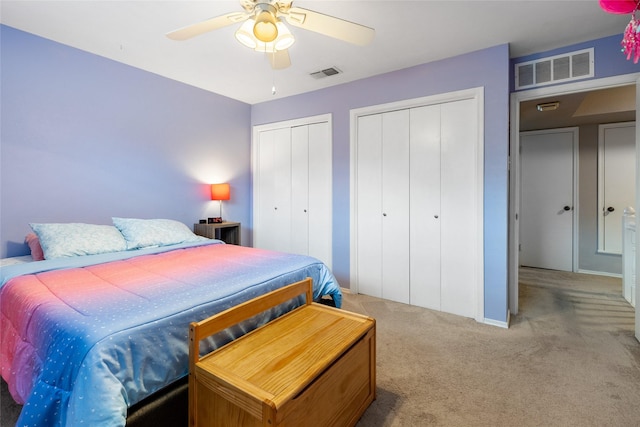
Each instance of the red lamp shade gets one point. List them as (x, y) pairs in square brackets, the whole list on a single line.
[(220, 192)]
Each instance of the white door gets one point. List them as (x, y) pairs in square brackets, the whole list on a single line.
[(547, 198), (383, 205), (458, 156), (369, 205), (299, 189), (419, 191), (425, 207), (417, 219), (320, 182), (395, 206), (616, 182), (292, 185), (274, 175)]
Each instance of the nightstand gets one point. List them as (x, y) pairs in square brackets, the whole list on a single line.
[(228, 232)]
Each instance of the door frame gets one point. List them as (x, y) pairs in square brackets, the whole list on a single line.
[(514, 166), (575, 189), (476, 207)]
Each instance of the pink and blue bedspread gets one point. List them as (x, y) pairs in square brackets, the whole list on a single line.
[(84, 338)]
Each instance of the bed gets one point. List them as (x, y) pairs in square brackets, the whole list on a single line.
[(88, 338)]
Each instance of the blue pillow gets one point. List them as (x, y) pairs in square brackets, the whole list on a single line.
[(145, 233), (76, 239)]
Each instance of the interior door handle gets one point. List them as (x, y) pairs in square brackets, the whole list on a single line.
[(610, 209), (567, 208)]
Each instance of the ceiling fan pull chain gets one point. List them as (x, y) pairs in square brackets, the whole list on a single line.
[(273, 72)]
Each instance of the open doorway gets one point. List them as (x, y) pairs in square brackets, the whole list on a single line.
[(527, 117)]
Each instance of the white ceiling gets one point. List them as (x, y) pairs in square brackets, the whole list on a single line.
[(407, 33)]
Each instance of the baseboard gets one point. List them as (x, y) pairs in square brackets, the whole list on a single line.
[(498, 323), (486, 321), (600, 273)]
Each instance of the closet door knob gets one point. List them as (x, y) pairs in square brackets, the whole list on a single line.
[(567, 208), (610, 209), (435, 216), (384, 214)]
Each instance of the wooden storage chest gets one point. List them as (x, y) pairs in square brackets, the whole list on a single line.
[(314, 366)]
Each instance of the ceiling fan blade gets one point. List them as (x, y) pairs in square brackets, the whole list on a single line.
[(210, 24), (279, 59), (330, 26)]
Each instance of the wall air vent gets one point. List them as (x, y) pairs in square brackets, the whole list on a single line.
[(325, 73), (555, 69)]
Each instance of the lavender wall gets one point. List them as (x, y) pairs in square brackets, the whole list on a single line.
[(488, 68), (85, 138)]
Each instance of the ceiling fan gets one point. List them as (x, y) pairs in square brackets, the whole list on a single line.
[(263, 28)]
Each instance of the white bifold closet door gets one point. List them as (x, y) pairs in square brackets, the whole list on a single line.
[(293, 186), (416, 179), (274, 165), (458, 226), (311, 191), (395, 205), (425, 207), (369, 199)]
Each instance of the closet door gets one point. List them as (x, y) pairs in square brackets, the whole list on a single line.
[(311, 224), (417, 217), (369, 205), (383, 205), (395, 206), (274, 164), (292, 183), (300, 189), (320, 208), (425, 206), (458, 190)]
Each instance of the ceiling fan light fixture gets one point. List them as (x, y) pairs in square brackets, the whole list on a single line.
[(265, 47), (244, 34), (262, 28), (265, 28), (285, 39)]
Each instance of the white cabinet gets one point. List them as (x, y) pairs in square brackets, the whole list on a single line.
[(292, 180), (418, 206)]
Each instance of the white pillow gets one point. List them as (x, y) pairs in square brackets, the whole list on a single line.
[(144, 233), (75, 239)]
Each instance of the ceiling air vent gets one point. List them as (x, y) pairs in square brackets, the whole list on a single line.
[(325, 73), (555, 69)]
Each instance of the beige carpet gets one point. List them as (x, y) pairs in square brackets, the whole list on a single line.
[(568, 359)]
